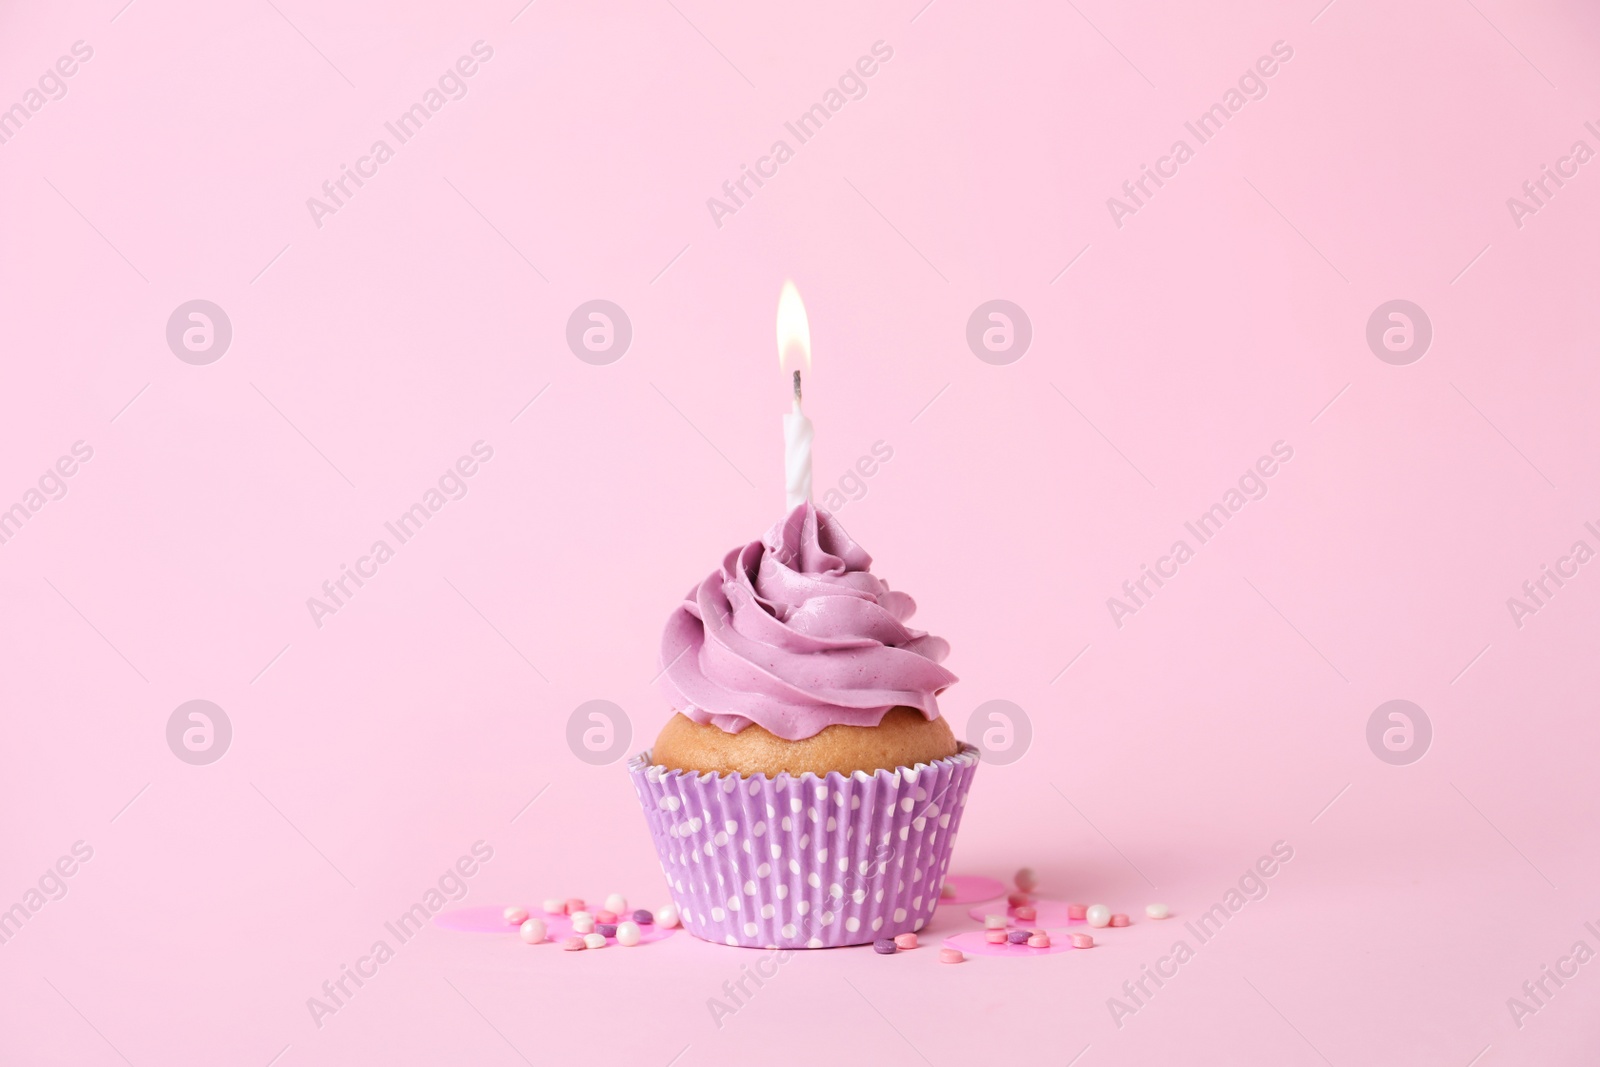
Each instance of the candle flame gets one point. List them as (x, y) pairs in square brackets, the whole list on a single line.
[(794, 331)]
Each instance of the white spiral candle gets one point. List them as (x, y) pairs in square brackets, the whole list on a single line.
[(794, 344), (797, 434)]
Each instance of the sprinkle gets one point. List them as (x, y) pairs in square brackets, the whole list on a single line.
[(1157, 911), (574, 944), (951, 955), (1039, 941), (667, 916), (1018, 898), (947, 891), (1026, 880), (606, 915), (606, 929), (1026, 913), (1018, 937), (643, 918), (1098, 915), (884, 947), (516, 916), (995, 937), (582, 922), (1082, 941), (1075, 911), (533, 931), (905, 940), (554, 906), (593, 941), (994, 922), (617, 904), (628, 934), (574, 904), (1119, 919)]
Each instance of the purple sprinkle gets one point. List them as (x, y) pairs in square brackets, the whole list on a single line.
[(606, 929), (643, 918), (1018, 937), (885, 947)]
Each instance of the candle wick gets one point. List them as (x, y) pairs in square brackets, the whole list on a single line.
[(797, 388)]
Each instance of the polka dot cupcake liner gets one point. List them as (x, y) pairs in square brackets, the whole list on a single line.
[(805, 861)]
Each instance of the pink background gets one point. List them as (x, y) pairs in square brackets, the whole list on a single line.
[(369, 353)]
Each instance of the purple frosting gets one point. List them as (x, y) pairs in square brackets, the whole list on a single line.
[(794, 633)]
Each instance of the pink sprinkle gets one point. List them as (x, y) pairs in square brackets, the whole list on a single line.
[(1018, 898), (574, 904), (1083, 941), (1119, 919), (573, 944), (1039, 941), (1026, 913), (951, 955), (1077, 911), (995, 937), (905, 941), (605, 916)]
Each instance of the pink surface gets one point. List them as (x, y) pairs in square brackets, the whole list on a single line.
[(971, 887), (1162, 747), (1049, 914), (490, 919), (973, 944)]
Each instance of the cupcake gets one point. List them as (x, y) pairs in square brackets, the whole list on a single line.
[(805, 791)]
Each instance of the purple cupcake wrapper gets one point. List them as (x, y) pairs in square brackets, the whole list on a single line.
[(805, 861)]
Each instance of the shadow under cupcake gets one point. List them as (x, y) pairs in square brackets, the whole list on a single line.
[(806, 794)]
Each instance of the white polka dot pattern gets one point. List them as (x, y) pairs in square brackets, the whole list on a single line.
[(862, 857)]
